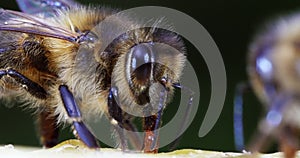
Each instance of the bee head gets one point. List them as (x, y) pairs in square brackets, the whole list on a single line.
[(148, 68)]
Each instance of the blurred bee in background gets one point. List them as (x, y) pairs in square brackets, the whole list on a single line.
[(274, 73), (50, 58)]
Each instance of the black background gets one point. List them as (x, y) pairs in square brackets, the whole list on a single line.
[(232, 24)]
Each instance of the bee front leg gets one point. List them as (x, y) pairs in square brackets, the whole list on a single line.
[(47, 122), (116, 117), (272, 124), (74, 113), (121, 122), (33, 88)]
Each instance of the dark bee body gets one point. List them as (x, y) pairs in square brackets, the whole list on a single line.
[(46, 54)]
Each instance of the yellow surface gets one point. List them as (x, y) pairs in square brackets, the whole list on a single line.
[(76, 149)]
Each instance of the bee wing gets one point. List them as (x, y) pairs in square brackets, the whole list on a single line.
[(26, 23), (46, 7)]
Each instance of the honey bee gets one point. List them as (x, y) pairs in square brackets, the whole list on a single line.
[(274, 72), (55, 57)]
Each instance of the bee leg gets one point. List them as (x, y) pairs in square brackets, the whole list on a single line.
[(152, 124), (116, 117), (74, 113), (120, 123), (271, 124), (48, 128), (289, 141), (182, 125), (238, 116), (32, 87), (133, 137)]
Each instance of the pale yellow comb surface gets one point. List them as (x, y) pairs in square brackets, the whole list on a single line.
[(76, 149)]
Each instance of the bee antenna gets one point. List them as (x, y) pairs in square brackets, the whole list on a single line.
[(184, 122), (238, 116), (83, 36)]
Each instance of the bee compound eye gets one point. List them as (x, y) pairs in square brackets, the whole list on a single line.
[(140, 59), (140, 55)]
